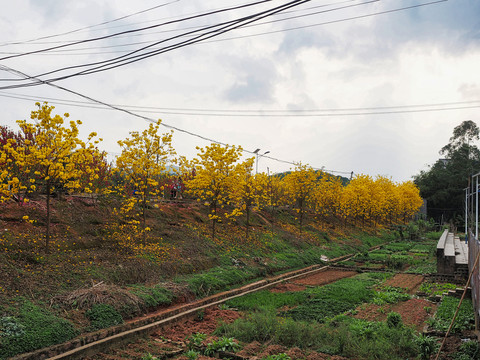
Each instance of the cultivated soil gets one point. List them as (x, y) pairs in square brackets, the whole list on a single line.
[(414, 312)]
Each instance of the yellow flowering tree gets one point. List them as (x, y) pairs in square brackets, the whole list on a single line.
[(248, 190), (410, 200), (274, 192), (216, 177), (327, 195), (357, 199), (142, 162), (53, 156), (300, 185)]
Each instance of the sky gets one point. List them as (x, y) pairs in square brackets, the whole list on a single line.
[(369, 87)]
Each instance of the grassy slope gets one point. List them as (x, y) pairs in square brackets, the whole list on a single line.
[(186, 263)]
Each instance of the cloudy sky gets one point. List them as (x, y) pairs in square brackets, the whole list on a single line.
[(373, 87)]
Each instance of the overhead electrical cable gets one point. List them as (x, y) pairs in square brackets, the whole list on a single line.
[(188, 28), (327, 22), (333, 112), (135, 30), (129, 112), (128, 59), (33, 41), (90, 26)]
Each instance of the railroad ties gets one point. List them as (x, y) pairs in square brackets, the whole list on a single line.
[(452, 257)]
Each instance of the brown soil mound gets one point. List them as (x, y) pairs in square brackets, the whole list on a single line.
[(414, 312), (325, 277), (205, 323), (285, 287), (406, 281)]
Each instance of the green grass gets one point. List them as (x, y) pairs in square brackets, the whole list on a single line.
[(334, 299), (32, 328), (399, 246), (389, 295), (432, 289), (153, 296), (216, 279), (102, 316), (426, 248), (267, 300), (343, 335), (445, 311)]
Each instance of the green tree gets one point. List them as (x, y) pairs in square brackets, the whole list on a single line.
[(443, 184)]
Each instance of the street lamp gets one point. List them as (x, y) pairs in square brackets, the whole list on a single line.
[(256, 152)]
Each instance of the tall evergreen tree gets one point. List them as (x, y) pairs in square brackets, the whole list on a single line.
[(443, 184)]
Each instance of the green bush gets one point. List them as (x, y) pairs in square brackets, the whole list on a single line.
[(428, 345), (192, 354), (389, 295), (222, 344), (33, 328), (196, 340), (102, 316), (468, 350), (394, 320), (153, 296)]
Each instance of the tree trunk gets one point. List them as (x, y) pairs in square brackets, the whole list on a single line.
[(214, 220), (144, 219), (248, 221), (47, 235)]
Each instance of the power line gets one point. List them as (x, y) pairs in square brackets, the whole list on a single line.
[(328, 22), (114, 107), (90, 26), (133, 30), (32, 41), (228, 26), (335, 112), (218, 29)]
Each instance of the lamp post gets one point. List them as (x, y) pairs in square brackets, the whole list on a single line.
[(256, 152)]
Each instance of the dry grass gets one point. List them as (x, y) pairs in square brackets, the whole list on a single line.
[(99, 294)]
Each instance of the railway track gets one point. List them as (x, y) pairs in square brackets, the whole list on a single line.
[(90, 344)]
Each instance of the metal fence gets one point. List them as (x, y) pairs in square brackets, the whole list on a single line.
[(473, 251)]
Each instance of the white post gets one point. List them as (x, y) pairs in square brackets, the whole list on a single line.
[(466, 212), (476, 209)]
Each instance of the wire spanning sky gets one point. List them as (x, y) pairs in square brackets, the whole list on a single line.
[(372, 86)]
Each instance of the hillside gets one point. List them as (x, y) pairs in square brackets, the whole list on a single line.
[(89, 262)]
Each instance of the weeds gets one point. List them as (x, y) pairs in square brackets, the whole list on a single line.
[(334, 299), (222, 344), (102, 316), (196, 340), (428, 346)]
